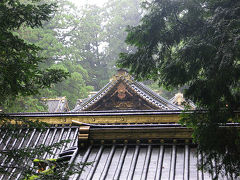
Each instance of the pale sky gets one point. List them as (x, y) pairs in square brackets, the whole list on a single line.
[(83, 2)]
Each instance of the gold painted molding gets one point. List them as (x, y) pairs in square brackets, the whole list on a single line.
[(116, 119)]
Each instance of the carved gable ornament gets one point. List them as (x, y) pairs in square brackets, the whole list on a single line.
[(124, 93), (121, 90)]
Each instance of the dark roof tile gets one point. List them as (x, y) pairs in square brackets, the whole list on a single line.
[(156, 161), (138, 88)]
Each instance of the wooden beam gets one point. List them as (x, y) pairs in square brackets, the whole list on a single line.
[(139, 133)]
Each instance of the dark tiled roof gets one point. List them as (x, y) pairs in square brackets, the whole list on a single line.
[(59, 104), (99, 113), (139, 89), (122, 160), (156, 161), (32, 138)]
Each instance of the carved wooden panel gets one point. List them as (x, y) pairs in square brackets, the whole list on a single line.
[(121, 97)]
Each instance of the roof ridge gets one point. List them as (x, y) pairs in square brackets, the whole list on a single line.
[(155, 95), (138, 88)]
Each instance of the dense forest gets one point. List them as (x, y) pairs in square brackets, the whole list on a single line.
[(72, 50), (84, 41)]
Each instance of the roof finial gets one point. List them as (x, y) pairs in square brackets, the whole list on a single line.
[(121, 73)]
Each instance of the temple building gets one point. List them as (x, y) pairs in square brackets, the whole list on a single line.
[(126, 130), (123, 93), (59, 104), (181, 102)]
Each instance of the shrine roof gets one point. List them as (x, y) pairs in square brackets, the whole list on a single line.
[(140, 161), (98, 113), (121, 87), (58, 104), (162, 158), (26, 137)]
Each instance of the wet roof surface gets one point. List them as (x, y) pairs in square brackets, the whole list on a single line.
[(32, 138), (98, 113), (156, 161)]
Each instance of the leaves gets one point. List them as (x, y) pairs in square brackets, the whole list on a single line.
[(19, 62), (195, 44)]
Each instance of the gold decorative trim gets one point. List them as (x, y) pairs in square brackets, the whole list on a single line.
[(116, 119), (83, 133)]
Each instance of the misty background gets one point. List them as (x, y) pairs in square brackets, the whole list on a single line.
[(83, 38)]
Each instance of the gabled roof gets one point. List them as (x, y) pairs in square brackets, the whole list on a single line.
[(58, 104), (124, 93), (137, 156), (110, 158), (180, 101)]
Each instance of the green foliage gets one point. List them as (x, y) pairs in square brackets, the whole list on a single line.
[(74, 87), (218, 145), (88, 40), (82, 41), (24, 104), (57, 173), (19, 62), (21, 75), (194, 44), (57, 44), (100, 35), (161, 90)]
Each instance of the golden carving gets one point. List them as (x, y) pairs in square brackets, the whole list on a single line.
[(121, 89), (123, 105), (132, 119), (122, 118), (122, 74)]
